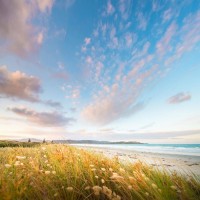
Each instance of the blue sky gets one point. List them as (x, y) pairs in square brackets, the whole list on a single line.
[(105, 70)]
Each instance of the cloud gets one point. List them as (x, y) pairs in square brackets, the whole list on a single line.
[(88, 60), (179, 98), (163, 46), (17, 34), (53, 104), (130, 64), (87, 41), (142, 22), (46, 119), (45, 5), (72, 109), (110, 8), (18, 85), (125, 8), (61, 75), (151, 135), (107, 109)]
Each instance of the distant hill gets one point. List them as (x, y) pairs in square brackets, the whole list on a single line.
[(32, 140), (80, 141), (94, 142)]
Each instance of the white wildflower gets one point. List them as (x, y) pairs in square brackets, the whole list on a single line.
[(129, 187), (103, 169), (173, 187), (55, 195), (147, 194), (122, 170), (154, 186), (87, 187), (69, 189), (110, 169), (7, 165), (116, 198), (97, 189), (17, 163), (107, 192), (21, 157)]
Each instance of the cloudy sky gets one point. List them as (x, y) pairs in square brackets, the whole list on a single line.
[(100, 69)]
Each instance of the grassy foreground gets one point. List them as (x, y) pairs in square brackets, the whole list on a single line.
[(65, 172)]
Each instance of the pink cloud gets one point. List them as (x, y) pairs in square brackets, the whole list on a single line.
[(19, 85), (17, 34), (179, 98), (46, 119)]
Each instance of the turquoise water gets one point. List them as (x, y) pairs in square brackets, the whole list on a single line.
[(178, 149)]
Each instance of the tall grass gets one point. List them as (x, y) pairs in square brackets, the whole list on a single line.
[(65, 172)]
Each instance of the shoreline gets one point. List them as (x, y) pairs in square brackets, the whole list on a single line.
[(184, 164)]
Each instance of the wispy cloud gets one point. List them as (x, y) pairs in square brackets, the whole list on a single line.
[(110, 8), (179, 98), (61, 75), (46, 119)]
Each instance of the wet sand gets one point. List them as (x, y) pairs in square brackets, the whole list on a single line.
[(183, 164)]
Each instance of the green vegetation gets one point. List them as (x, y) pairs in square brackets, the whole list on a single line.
[(7, 143), (52, 171)]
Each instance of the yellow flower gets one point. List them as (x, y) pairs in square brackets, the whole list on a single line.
[(103, 169), (53, 172), (47, 172), (96, 177)]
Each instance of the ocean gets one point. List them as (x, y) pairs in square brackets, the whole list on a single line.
[(176, 149)]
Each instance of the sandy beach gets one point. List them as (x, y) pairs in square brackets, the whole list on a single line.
[(183, 164)]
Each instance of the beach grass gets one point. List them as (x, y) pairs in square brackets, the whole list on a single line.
[(56, 171)]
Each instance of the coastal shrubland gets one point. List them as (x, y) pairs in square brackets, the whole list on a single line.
[(57, 171)]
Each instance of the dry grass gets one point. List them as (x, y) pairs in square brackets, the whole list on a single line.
[(65, 172)]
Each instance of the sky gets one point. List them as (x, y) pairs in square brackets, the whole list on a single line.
[(100, 70)]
